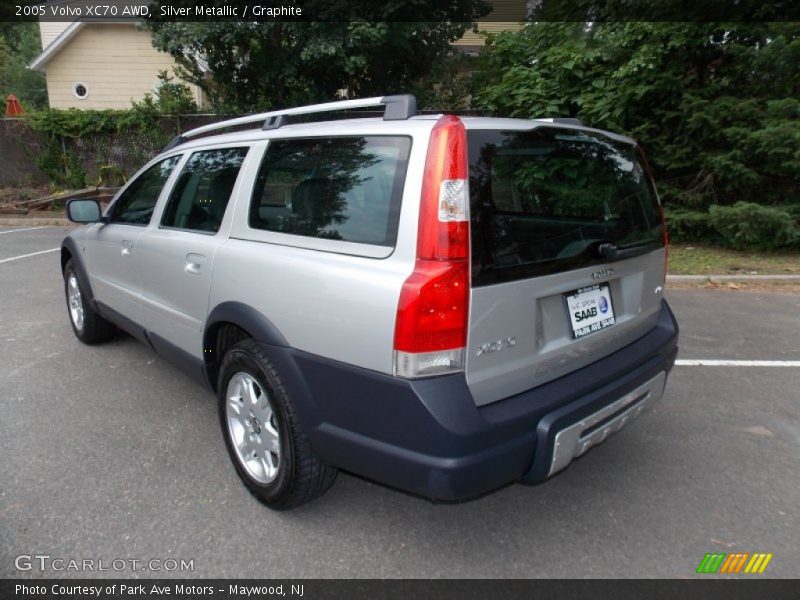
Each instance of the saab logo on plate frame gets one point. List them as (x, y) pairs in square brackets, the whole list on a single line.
[(737, 563)]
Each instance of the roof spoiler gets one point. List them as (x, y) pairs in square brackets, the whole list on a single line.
[(564, 120)]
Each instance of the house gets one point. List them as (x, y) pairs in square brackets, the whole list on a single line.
[(101, 64)]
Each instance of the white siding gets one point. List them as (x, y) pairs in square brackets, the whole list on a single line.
[(507, 15), (471, 38), (116, 62), (50, 30)]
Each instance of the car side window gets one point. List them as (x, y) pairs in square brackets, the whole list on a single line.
[(338, 188), (136, 204), (201, 194)]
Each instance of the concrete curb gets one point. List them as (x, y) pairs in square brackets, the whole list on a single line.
[(721, 278), (35, 222)]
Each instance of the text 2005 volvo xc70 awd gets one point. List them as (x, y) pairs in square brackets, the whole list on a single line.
[(441, 304)]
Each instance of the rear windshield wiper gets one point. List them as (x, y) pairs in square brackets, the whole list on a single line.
[(610, 251)]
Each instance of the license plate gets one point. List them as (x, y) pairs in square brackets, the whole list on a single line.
[(590, 309)]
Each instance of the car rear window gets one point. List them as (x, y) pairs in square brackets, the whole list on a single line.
[(338, 188), (546, 200)]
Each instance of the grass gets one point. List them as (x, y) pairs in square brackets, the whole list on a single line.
[(685, 259)]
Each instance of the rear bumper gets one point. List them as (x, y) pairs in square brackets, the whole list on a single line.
[(428, 437)]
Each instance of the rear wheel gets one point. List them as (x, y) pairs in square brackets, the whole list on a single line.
[(89, 327), (265, 441)]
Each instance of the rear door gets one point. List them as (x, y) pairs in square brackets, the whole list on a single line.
[(177, 255), (567, 255)]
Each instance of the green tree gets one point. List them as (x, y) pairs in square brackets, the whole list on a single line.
[(716, 105), (257, 66), (173, 98), (19, 44)]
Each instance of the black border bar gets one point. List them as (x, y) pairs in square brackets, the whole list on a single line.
[(410, 11), (400, 589)]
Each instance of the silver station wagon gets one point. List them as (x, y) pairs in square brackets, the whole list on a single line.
[(441, 304)]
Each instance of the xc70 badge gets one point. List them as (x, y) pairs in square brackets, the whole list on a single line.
[(501, 344), (605, 273)]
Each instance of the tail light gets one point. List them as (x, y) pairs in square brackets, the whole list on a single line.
[(431, 325)]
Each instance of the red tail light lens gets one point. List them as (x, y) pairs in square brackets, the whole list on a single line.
[(432, 312), (443, 224), (431, 324)]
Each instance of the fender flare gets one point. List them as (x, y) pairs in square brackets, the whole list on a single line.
[(69, 245), (247, 318)]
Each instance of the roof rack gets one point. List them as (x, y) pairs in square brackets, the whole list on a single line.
[(398, 107)]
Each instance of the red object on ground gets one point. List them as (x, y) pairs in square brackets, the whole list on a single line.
[(13, 107)]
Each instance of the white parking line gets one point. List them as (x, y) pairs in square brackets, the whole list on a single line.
[(5, 260), (737, 363), (23, 229)]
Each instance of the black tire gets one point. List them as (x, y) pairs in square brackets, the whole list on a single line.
[(301, 476), (93, 329)]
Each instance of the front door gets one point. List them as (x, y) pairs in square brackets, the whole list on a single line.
[(112, 247)]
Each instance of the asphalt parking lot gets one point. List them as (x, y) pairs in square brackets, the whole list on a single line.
[(108, 452)]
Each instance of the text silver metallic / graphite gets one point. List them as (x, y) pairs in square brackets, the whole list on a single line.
[(257, 10)]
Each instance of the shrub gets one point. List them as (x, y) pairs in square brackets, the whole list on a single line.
[(62, 167), (111, 175), (748, 226), (75, 140), (74, 123), (715, 104), (172, 98), (690, 226), (794, 210)]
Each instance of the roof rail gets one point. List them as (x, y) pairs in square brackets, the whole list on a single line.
[(398, 107), (176, 141)]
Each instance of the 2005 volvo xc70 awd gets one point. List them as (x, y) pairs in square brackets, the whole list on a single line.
[(441, 304)]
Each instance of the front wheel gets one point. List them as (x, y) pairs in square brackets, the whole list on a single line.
[(264, 439), (89, 327)]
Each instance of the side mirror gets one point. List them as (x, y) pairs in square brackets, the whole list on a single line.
[(84, 210)]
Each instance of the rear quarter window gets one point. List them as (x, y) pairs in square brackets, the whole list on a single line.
[(338, 188)]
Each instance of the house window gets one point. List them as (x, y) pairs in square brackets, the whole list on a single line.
[(80, 90)]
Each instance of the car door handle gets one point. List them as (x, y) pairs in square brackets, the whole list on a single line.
[(194, 263), (127, 247)]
